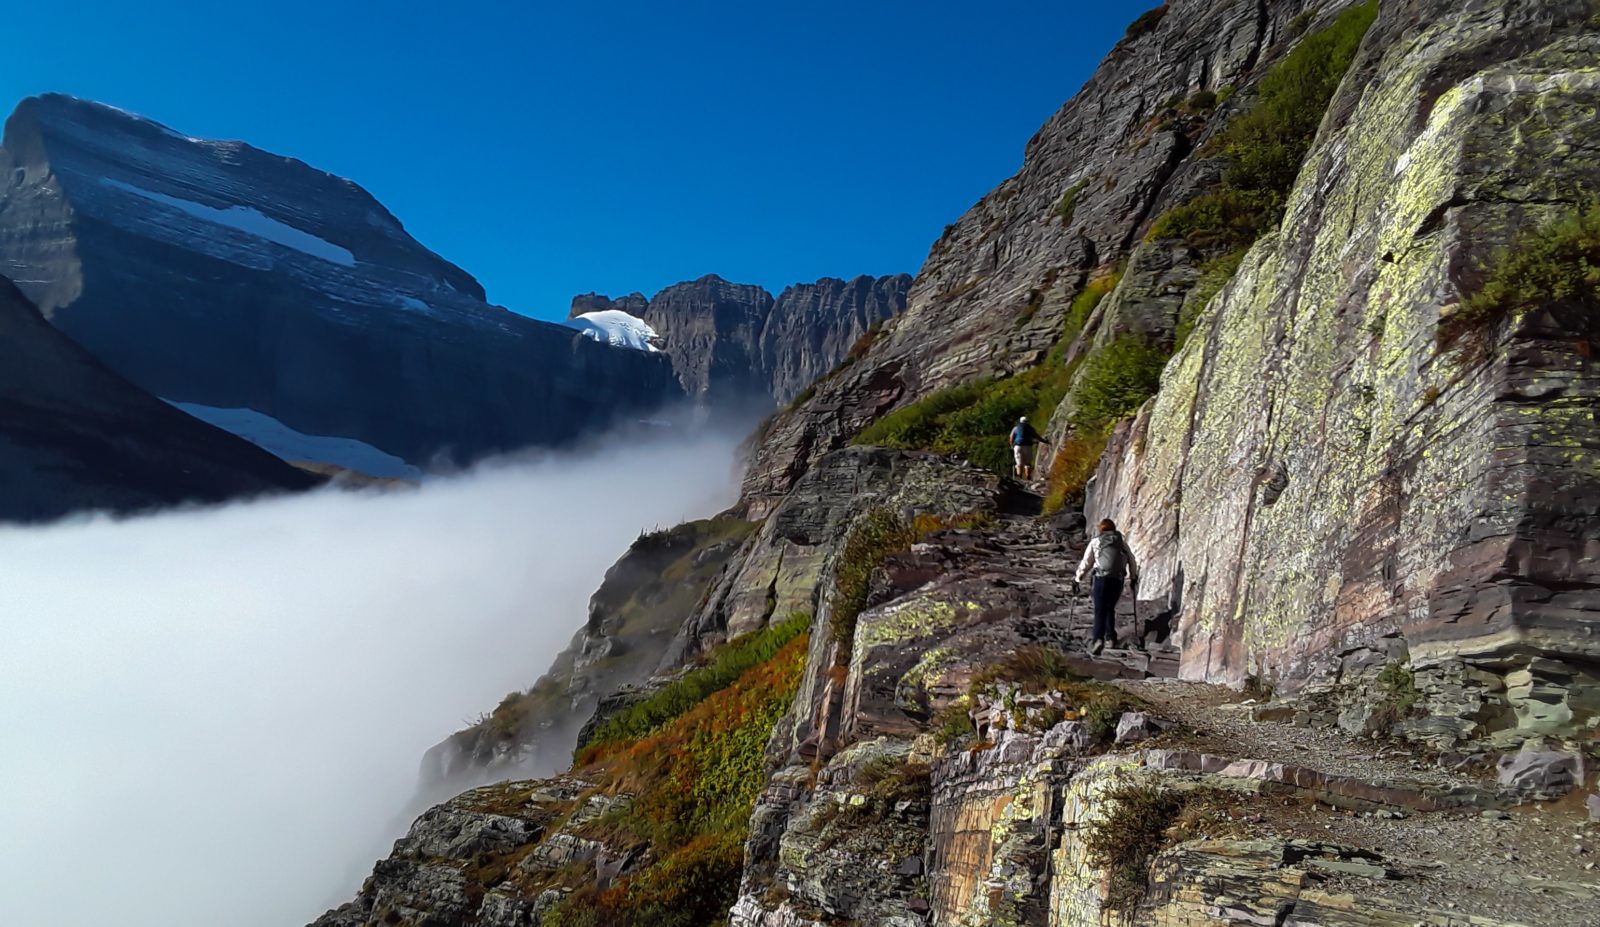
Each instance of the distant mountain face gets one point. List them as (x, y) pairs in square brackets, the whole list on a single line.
[(735, 345), (75, 436), (218, 275)]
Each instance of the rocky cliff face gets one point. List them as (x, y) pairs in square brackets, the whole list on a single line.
[(1360, 498), (1339, 483), (74, 436), (733, 346), (217, 274), (999, 286), (644, 600)]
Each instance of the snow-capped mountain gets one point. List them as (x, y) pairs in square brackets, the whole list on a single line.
[(214, 274)]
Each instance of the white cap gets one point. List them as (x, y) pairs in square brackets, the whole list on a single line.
[(1023, 420)]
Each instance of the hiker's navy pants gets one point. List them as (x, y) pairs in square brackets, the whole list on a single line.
[(1105, 592)]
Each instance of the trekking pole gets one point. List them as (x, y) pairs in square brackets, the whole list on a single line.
[(1072, 608)]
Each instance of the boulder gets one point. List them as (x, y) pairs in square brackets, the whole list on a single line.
[(1539, 771)]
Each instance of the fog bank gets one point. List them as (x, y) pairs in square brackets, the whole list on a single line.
[(211, 718)]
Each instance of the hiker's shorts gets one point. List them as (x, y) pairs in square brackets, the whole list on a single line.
[(1023, 454)]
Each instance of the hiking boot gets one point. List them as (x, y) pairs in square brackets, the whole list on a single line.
[(1096, 647)]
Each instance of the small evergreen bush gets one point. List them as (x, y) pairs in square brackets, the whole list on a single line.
[(1266, 146), (1115, 381), (1558, 263)]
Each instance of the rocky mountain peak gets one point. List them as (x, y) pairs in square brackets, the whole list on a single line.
[(222, 276), (734, 346), (633, 304)]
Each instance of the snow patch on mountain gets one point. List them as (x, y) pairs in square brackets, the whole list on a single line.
[(249, 221), (279, 439), (617, 328)]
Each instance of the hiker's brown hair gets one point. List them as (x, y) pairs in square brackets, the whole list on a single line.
[(1107, 524)]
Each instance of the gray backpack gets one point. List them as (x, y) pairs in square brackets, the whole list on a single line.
[(1111, 557)]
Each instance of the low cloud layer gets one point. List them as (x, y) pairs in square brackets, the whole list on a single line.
[(212, 718)]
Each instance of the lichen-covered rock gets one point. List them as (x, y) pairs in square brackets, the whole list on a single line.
[(1317, 471)]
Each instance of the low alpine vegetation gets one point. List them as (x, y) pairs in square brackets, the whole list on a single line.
[(723, 669), (1557, 263), (876, 535), (1146, 23), (692, 783), (1143, 818), (1037, 669), (1266, 145), (972, 420), (1114, 382)]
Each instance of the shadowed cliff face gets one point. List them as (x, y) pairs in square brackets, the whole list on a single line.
[(218, 274), (76, 437)]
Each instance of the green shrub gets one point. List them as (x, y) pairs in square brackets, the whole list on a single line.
[(1038, 668), (1115, 381), (1214, 275), (953, 723), (1074, 464), (1068, 204), (973, 420), (1398, 694), (876, 535), (1558, 263), (1201, 101), (1146, 23), (980, 432), (723, 668), (1224, 217), (1081, 309), (1133, 831), (889, 780), (1266, 146), (918, 424)]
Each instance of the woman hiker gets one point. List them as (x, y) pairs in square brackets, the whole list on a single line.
[(1110, 561)]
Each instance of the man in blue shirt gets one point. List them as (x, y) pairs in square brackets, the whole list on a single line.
[(1024, 439)]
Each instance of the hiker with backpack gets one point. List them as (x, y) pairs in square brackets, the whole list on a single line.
[(1111, 563), (1024, 439)]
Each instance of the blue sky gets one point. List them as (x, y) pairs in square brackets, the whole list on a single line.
[(552, 149)]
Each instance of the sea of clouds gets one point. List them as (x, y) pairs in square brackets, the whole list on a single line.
[(215, 716)]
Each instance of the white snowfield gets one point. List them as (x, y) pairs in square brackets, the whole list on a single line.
[(280, 440), (249, 221), (618, 328)]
